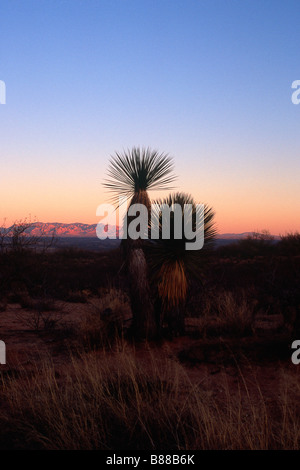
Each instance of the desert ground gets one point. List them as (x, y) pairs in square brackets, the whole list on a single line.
[(76, 378)]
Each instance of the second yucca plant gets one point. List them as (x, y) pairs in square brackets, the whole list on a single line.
[(172, 265)]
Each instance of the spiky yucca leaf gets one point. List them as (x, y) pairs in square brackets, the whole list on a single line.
[(138, 170), (172, 286)]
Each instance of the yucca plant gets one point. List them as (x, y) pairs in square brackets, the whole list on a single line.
[(131, 175), (172, 265)]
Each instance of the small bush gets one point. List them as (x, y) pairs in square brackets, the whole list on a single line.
[(290, 244), (39, 314), (108, 318), (224, 313)]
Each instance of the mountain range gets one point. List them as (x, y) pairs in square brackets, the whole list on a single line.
[(89, 231), (38, 229)]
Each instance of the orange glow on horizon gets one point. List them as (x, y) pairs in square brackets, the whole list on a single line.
[(239, 206)]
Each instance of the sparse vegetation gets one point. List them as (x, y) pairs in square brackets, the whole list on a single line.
[(40, 314), (81, 381), (117, 402), (290, 243)]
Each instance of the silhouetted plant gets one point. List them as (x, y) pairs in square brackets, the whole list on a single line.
[(290, 243), (172, 263), (131, 175)]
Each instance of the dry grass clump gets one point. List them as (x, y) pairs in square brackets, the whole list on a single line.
[(108, 316), (225, 313), (119, 401)]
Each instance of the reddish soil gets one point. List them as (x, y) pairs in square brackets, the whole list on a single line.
[(258, 358)]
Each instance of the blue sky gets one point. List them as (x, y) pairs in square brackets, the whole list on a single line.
[(207, 81)]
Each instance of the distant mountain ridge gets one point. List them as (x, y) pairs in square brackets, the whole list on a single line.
[(239, 236), (58, 229), (78, 229)]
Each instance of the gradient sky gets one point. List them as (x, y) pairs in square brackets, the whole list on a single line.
[(207, 81)]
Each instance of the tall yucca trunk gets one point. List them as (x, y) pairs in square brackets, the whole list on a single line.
[(144, 324)]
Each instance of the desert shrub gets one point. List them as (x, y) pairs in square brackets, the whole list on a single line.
[(107, 320), (39, 314), (253, 245), (63, 275), (224, 313), (256, 244), (289, 244)]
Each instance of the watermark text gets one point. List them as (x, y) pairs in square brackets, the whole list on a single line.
[(2, 92), (296, 94), (2, 353), (162, 221)]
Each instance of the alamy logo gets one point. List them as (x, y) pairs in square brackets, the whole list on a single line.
[(2, 353), (296, 94), (167, 222), (2, 92)]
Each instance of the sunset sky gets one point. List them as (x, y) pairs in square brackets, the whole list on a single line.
[(206, 81)]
